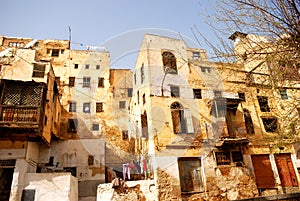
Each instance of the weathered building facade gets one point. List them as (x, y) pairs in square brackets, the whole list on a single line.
[(212, 133)]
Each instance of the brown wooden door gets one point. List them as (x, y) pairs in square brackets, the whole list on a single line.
[(286, 170), (263, 171), (176, 121)]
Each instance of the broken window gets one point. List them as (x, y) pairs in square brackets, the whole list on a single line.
[(283, 94), (87, 107), (72, 125), (124, 135), (55, 53), (242, 96), (129, 92), (91, 160), (72, 107), (95, 127), (197, 93), (71, 81), (169, 62), (248, 122), (99, 107), (122, 104), (190, 174), (100, 82), (175, 91), (270, 124), (142, 73), (263, 103), (196, 55), (38, 70), (86, 82)]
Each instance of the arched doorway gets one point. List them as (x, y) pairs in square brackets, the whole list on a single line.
[(179, 122)]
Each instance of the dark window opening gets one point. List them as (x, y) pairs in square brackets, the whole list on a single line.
[(217, 94), (144, 124), (197, 93), (99, 107), (169, 61), (73, 170), (28, 195), (38, 70), (129, 92), (190, 174), (76, 66), (242, 96), (263, 103), (91, 160), (138, 97), (71, 81), (196, 55), (100, 82), (62, 51), (97, 67), (175, 92), (122, 104), (57, 80), (298, 109), (87, 107), (87, 66), (283, 94), (270, 124), (86, 82), (72, 107), (72, 125), (223, 158), (144, 99), (55, 53), (142, 74), (134, 78), (248, 122), (124, 135), (237, 156), (205, 69), (95, 127)]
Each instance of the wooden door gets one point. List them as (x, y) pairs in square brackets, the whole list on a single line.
[(286, 170), (263, 171)]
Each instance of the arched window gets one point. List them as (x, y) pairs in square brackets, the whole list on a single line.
[(179, 122), (169, 60)]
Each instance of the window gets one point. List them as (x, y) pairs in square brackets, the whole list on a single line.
[(205, 69), (190, 174), (97, 67), (62, 51), (242, 96), (76, 66), (86, 82), (87, 107), (124, 135), (57, 80), (129, 92), (283, 94), (175, 91), (55, 53), (87, 66), (197, 93), (228, 157), (248, 122), (169, 62), (138, 97), (28, 195), (95, 127), (99, 107), (71, 81), (122, 104), (73, 170), (196, 55), (298, 109), (72, 107), (72, 125), (263, 103), (15, 44), (144, 98), (38, 70), (100, 82), (48, 51), (134, 78), (270, 124), (142, 73), (91, 160)]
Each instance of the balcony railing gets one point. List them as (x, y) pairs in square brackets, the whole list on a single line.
[(20, 114)]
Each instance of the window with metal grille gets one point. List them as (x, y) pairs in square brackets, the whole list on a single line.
[(223, 158), (270, 124), (86, 82), (99, 107), (8, 163), (100, 82), (122, 104), (55, 53), (197, 93), (38, 70), (175, 91), (95, 127), (72, 107), (124, 135), (71, 81), (87, 107), (263, 103), (72, 125)]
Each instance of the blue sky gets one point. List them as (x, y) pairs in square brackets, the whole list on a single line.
[(104, 22)]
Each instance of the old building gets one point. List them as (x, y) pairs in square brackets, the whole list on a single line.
[(209, 131)]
